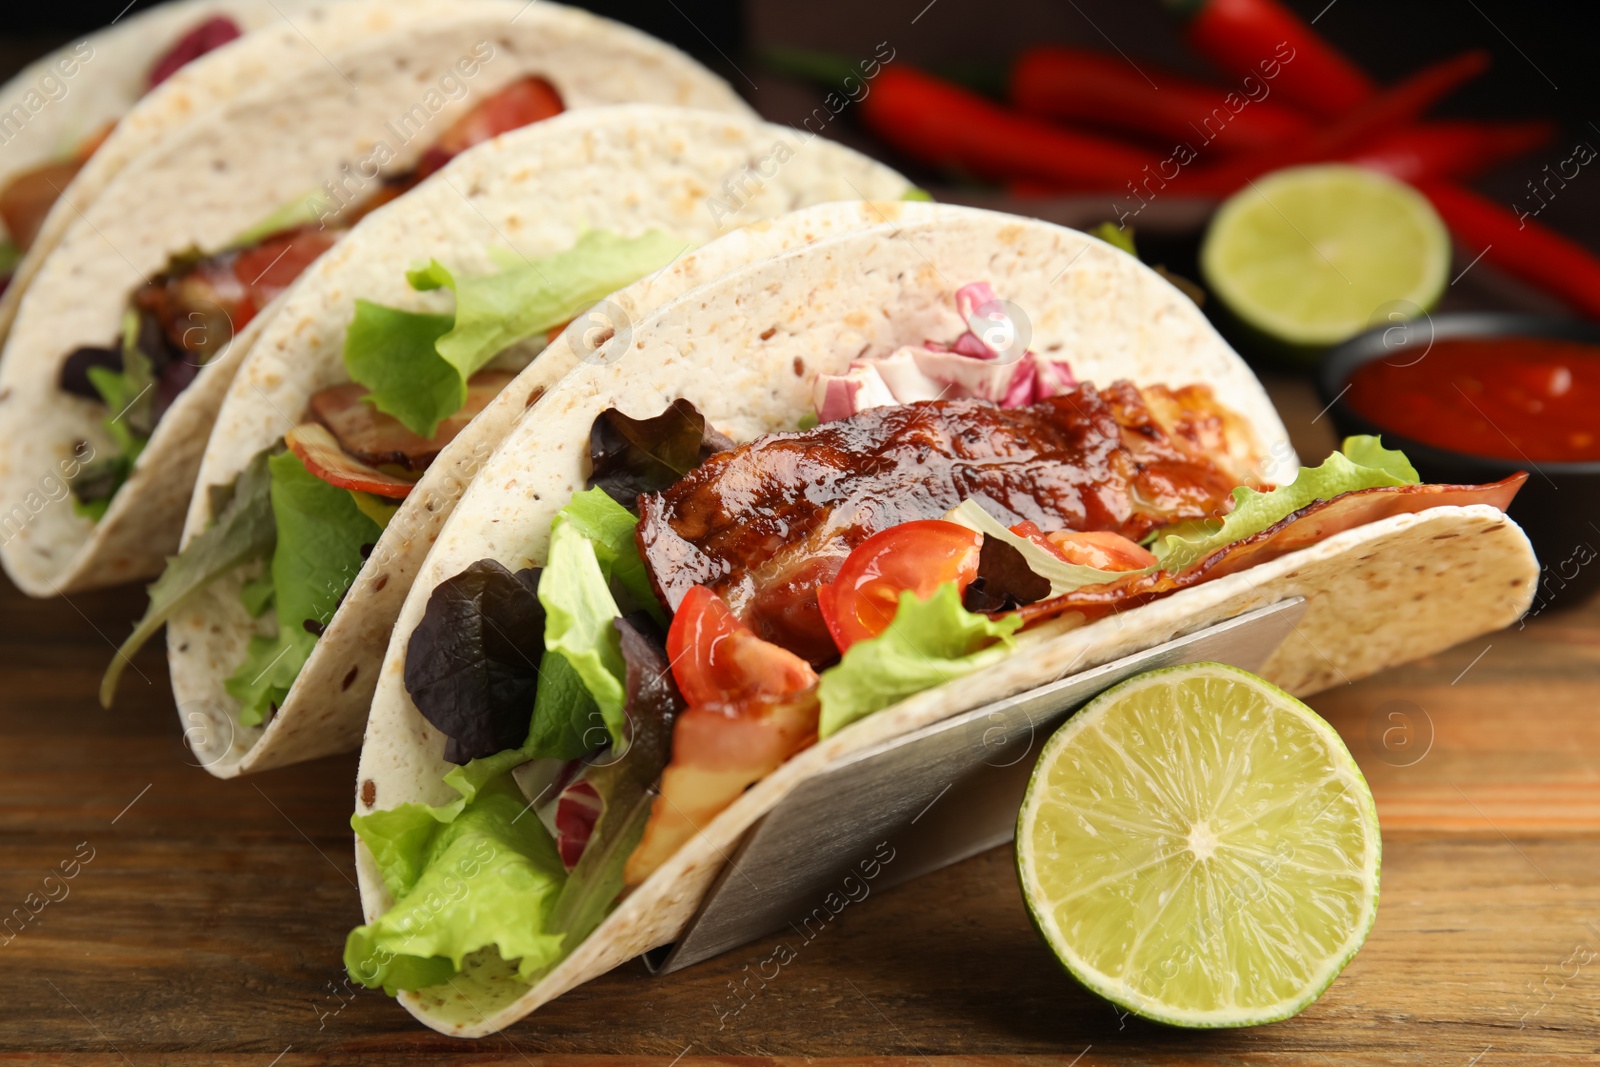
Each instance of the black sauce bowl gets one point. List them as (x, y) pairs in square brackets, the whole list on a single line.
[(1558, 506)]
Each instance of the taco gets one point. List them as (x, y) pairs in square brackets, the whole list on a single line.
[(126, 338), (344, 440), (59, 109), (823, 501), (72, 119)]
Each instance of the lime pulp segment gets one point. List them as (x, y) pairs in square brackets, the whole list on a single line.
[(1199, 847)]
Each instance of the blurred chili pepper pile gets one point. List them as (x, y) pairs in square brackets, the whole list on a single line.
[(1078, 121)]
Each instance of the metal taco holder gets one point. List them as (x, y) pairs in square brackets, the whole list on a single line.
[(936, 796)]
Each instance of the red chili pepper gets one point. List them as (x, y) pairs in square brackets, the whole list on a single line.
[(1241, 36), (1395, 107), (940, 123), (1100, 89), (1032, 189), (1519, 246), (1450, 149)]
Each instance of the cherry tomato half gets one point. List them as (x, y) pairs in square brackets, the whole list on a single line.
[(716, 659), (919, 556), (1101, 550)]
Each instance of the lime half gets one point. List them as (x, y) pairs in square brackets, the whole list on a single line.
[(1198, 847), (1311, 256)]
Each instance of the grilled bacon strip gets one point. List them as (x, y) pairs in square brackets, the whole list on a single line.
[(1311, 525), (379, 439), (765, 524)]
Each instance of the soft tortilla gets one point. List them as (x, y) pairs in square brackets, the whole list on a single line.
[(50, 106), (1378, 595), (625, 169), (283, 36), (220, 174)]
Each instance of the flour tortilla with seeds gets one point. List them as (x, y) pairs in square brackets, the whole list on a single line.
[(281, 36), (214, 178), (1378, 595), (626, 169)]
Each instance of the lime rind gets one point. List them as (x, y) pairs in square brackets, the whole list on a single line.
[(1114, 784), (1310, 256)]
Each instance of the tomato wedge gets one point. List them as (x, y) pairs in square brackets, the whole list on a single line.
[(751, 705), (522, 103), (716, 659), (1100, 549), (267, 269), (919, 556)]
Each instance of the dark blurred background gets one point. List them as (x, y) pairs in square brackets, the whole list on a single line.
[(1544, 62), (1544, 58)]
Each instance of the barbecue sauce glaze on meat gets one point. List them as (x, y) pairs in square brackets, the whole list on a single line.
[(765, 523)]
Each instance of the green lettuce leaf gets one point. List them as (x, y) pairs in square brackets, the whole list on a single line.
[(391, 352), (242, 530), (310, 206), (465, 876), (256, 594), (129, 396), (1115, 236), (929, 642), (520, 901), (97, 483), (1362, 463), (564, 714), (578, 612), (610, 527), (416, 365), (320, 534), (495, 311)]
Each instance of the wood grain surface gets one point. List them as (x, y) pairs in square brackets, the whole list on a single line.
[(205, 920)]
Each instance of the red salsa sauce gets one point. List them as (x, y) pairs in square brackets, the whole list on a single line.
[(1534, 398)]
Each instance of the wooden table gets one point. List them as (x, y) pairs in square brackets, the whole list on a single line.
[(206, 919)]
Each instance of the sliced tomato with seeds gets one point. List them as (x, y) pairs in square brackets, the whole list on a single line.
[(716, 659), (751, 705), (919, 556), (1099, 549)]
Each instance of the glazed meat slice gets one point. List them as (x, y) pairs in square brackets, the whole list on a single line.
[(766, 523)]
